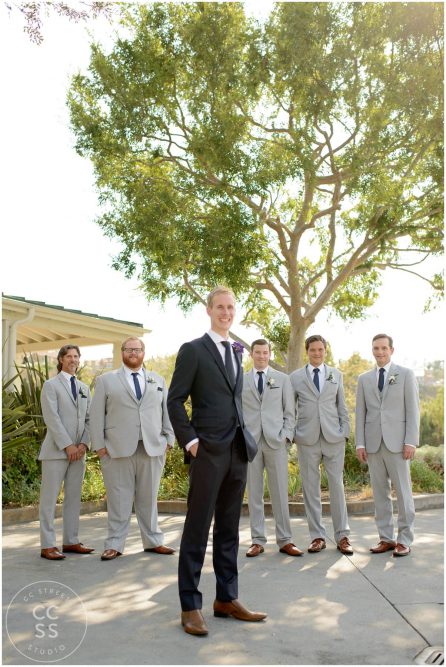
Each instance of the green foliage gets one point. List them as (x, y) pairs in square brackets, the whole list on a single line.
[(293, 159), (432, 420), (425, 479), (93, 487), (175, 480), (23, 430)]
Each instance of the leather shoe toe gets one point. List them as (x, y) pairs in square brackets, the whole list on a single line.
[(255, 550), (317, 545), (193, 623), (345, 547), (76, 549), (166, 551), (382, 547), (291, 550), (110, 554), (401, 550), (236, 610), (52, 553)]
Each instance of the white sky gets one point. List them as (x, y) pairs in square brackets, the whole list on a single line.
[(53, 251)]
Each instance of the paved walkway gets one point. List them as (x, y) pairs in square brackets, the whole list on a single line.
[(323, 609)]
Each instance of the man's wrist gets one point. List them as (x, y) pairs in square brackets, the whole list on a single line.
[(191, 443)]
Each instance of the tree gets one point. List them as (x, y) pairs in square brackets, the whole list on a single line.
[(294, 160), (34, 13)]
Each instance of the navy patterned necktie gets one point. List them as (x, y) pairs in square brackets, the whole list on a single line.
[(137, 386), (260, 382), (228, 362), (73, 386), (381, 379), (316, 378)]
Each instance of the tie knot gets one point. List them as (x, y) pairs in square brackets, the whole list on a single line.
[(135, 374), (315, 370), (259, 372), (382, 371), (226, 343), (72, 379)]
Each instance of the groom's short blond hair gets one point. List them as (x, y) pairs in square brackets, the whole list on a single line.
[(220, 289)]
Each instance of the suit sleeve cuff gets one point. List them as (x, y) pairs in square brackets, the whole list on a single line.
[(189, 444)]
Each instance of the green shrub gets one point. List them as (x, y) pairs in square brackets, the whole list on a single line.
[(424, 479)]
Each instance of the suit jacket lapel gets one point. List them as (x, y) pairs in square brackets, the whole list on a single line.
[(327, 371), (252, 385), (122, 377), (392, 370), (67, 388), (374, 383), (212, 348), (309, 381)]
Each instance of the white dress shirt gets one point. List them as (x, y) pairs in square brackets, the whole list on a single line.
[(67, 377), (255, 373), (321, 374), (386, 369), (141, 378)]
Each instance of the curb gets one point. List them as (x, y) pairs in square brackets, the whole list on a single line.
[(428, 501)]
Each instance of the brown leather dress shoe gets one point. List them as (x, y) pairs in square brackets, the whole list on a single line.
[(52, 553), (382, 547), (161, 550), (317, 545), (193, 623), (76, 549), (236, 610), (255, 550), (345, 547), (110, 554), (401, 550), (291, 550)]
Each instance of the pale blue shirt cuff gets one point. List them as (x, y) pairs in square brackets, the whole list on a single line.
[(189, 444)]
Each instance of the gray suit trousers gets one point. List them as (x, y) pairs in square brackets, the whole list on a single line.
[(276, 463), (54, 472), (388, 468), (310, 456), (132, 479)]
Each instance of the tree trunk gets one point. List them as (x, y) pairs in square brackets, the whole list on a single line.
[(296, 345)]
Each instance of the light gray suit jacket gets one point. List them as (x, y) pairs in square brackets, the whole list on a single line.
[(66, 419), (323, 411), (393, 415), (272, 414), (117, 418)]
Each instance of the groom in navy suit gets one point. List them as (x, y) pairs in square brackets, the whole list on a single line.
[(218, 448)]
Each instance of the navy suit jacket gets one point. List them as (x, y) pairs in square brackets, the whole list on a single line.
[(216, 407)]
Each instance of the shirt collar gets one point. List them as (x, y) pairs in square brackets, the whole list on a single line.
[(129, 371), (217, 338), (386, 367), (264, 371), (67, 376), (321, 367)]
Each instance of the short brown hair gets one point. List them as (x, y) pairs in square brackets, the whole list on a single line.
[(314, 339), (260, 341), (220, 289), (124, 343), (389, 338), (62, 352)]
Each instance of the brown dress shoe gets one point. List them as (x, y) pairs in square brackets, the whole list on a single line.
[(345, 547), (255, 550), (383, 546), (236, 610), (193, 622), (317, 545), (401, 550), (291, 550), (76, 549), (110, 554), (161, 550), (52, 553)]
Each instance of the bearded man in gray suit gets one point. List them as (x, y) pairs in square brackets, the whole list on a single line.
[(130, 431), (322, 428), (65, 408), (269, 411), (387, 434)]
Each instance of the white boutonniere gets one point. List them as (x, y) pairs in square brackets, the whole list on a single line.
[(331, 378), (392, 378), (151, 380), (271, 382), (81, 393)]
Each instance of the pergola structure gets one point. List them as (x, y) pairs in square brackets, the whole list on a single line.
[(35, 326)]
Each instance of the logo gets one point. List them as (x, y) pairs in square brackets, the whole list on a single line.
[(46, 621)]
